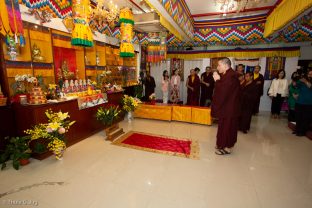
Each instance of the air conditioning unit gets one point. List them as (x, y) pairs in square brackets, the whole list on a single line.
[(148, 22)]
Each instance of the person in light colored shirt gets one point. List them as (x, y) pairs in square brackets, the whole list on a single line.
[(175, 87), (165, 86), (277, 92)]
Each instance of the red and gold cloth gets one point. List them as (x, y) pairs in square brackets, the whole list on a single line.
[(159, 144)]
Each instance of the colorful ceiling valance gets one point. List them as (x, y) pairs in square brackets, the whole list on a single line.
[(285, 12), (246, 34), (237, 53), (179, 11), (58, 8)]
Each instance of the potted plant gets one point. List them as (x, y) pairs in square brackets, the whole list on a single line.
[(107, 116), (16, 150), (53, 132)]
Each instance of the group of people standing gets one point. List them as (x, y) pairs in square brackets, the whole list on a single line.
[(200, 90)]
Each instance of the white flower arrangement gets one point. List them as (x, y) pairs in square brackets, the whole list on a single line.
[(25, 77)]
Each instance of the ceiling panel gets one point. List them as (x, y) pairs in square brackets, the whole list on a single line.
[(209, 7)]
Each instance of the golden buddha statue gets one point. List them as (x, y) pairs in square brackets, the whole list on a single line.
[(36, 54)]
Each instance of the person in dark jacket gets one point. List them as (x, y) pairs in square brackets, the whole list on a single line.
[(259, 80), (304, 104), (207, 86), (149, 83)]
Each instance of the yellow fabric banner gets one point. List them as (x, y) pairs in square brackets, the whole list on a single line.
[(284, 13), (236, 54), (5, 19), (181, 113), (201, 116)]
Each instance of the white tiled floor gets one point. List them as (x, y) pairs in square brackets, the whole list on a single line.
[(270, 167)]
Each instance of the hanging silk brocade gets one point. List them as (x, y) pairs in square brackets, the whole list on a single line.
[(156, 49), (81, 35), (15, 21), (126, 28), (163, 46)]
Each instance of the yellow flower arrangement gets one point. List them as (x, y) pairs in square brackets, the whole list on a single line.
[(130, 103), (58, 147), (52, 86), (54, 131)]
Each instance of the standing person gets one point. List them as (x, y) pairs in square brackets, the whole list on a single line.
[(241, 79), (197, 70), (293, 96), (193, 89), (259, 80), (304, 105), (150, 85), (240, 69), (247, 102), (207, 86), (175, 87), (225, 106), (278, 91), (165, 86)]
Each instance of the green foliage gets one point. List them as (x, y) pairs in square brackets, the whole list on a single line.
[(39, 148), (108, 115), (138, 91), (16, 149)]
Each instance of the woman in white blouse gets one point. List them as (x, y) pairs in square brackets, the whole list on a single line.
[(278, 91)]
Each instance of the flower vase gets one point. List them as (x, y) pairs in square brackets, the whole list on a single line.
[(130, 116)]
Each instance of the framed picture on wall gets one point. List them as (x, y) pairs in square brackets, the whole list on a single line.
[(273, 64), (177, 64), (214, 63)]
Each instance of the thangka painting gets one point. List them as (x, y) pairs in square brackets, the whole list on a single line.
[(177, 64), (272, 66)]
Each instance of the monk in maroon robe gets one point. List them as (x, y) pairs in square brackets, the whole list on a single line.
[(249, 95), (207, 86), (193, 89), (226, 106), (259, 80)]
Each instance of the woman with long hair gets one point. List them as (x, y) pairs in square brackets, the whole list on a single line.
[(165, 86)]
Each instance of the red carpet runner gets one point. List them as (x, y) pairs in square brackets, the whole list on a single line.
[(159, 144)]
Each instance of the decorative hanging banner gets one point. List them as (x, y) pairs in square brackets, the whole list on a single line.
[(163, 45), (126, 28), (153, 48), (157, 48), (15, 20), (81, 35)]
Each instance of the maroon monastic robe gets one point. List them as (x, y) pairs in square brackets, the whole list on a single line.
[(249, 95), (260, 85), (226, 107), (193, 95), (206, 92)]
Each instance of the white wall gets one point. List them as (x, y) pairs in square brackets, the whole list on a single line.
[(305, 53), (265, 104)]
